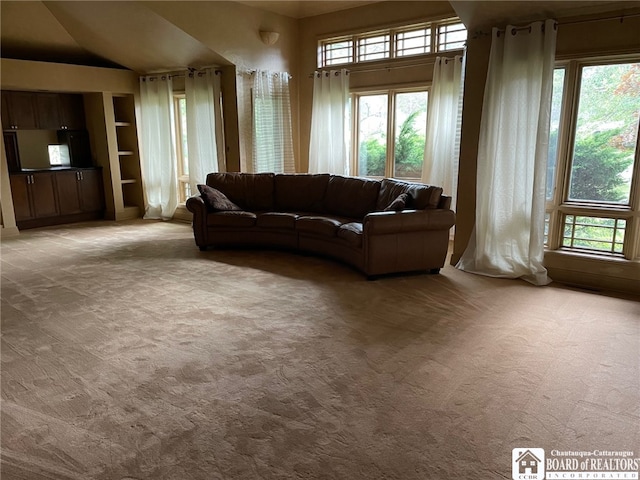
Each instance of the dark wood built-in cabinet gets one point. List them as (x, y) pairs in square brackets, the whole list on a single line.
[(50, 197), (42, 111), (79, 147), (34, 196), (79, 191), (19, 111), (11, 149)]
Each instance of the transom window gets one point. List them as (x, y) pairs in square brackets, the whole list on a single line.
[(420, 39), (373, 48), (451, 36), (593, 197), (413, 42), (336, 52)]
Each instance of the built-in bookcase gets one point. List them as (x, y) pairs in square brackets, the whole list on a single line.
[(128, 164)]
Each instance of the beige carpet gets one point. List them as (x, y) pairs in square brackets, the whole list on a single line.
[(129, 354)]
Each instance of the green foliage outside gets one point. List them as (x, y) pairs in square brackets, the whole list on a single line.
[(372, 157), (603, 152), (409, 149), (598, 167), (409, 152)]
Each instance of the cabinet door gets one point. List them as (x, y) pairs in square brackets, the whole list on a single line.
[(43, 194), (91, 191), (79, 147), (48, 110), (72, 111), (11, 150), (21, 110), (20, 193), (6, 120), (68, 189)]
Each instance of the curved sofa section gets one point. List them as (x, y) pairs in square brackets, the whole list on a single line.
[(330, 215)]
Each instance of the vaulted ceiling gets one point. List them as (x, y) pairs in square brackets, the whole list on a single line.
[(138, 35)]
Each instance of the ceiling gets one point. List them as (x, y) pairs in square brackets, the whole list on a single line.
[(306, 8), (101, 33)]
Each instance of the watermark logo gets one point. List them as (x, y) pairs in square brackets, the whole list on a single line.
[(527, 464), (531, 464)]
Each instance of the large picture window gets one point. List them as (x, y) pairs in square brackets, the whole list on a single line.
[(592, 180), (391, 132)]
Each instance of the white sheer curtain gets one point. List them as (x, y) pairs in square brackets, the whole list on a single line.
[(508, 238), (272, 139), (158, 153), (444, 121), (329, 143), (205, 137)]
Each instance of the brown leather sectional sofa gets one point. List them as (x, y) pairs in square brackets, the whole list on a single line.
[(341, 217)]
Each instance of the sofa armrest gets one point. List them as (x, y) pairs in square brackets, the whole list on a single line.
[(408, 221), (196, 205)]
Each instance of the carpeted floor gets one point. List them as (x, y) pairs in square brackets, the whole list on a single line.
[(129, 354)]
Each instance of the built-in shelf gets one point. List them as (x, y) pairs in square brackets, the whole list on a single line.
[(130, 203)]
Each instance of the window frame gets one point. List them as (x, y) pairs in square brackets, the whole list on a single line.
[(182, 177), (354, 42), (559, 206), (391, 93)]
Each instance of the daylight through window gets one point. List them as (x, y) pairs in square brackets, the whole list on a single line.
[(420, 39), (592, 178)]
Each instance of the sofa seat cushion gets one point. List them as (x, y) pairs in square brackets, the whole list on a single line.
[(351, 197), (231, 219), (352, 233), (276, 220), (318, 225), (421, 196)]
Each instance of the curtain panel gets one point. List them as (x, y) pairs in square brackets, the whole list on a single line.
[(508, 237), (159, 166), (205, 136), (272, 138), (329, 146), (444, 121)]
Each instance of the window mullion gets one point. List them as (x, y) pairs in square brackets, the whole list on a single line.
[(391, 129), (569, 121), (355, 143)]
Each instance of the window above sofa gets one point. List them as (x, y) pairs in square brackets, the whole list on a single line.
[(392, 43)]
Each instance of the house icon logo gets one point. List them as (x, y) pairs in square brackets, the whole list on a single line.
[(527, 464)]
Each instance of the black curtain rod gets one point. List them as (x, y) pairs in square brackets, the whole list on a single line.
[(620, 17), (388, 68), (163, 76)]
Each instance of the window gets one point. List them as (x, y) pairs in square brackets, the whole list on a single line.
[(182, 151), (451, 36), (413, 42), (391, 131), (593, 197), (373, 48), (420, 39), (336, 52)]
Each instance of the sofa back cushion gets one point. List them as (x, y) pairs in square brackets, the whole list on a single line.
[(351, 197), (250, 191), (300, 192), (421, 195)]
